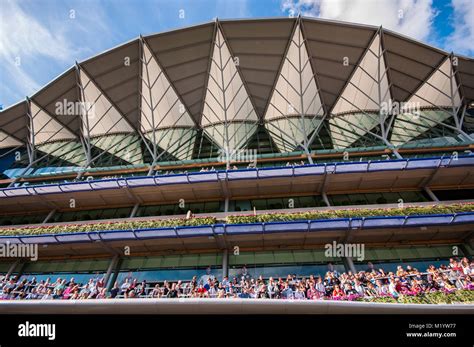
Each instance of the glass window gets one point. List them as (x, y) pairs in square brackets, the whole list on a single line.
[(413, 197), (259, 204), (391, 198), (275, 204), (169, 209), (213, 206), (243, 205), (306, 201), (375, 198), (123, 212), (108, 214), (68, 217), (455, 194), (339, 200), (152, 211), (358, 199)]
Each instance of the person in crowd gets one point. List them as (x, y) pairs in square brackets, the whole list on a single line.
[(381, 288), (358, 287), (337, 292), (244, 274), (32, 295), (173, 293), (194, 283), (124, 287), (115, 290), (273, 289), (392, 287), (166, 289), (48, 295), (287, 292), (102, 294), (140, 290), (370, 291), (349, 290), (156, 292), (202, 292), (206, 277), (299, 294)]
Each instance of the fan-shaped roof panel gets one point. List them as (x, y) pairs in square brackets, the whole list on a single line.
[(335, 49), (409, 63), (14, 121), (60, 99), (260, 46), (184, 56), (116, 73), (465, 70)]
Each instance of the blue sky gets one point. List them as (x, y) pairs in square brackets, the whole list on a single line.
[(39, 39)]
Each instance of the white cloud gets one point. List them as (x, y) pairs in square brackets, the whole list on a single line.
[(22, 40), (413, 18), (232, 9), (461, 40), (44, 42), (21, 35)]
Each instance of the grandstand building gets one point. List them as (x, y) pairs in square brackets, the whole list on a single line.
[(201, 138)]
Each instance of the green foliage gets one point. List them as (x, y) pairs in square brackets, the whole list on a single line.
[(382, 299), (458, 296), (238, 219), (125, 225), (351, 213)]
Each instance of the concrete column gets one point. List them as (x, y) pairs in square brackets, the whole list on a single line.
[(326, 200), (12, 268), (108, 276), (134, 210), (349, 264), (115, 273), (431, 194), (226, 205), (49, 216), (225, 263)]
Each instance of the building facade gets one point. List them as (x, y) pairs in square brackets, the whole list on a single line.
[(243, 145)]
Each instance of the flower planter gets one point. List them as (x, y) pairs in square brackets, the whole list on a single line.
[(194, 231), (143, 234), (286, 226)]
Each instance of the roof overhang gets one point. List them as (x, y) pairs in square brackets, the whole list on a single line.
[(342, 178)]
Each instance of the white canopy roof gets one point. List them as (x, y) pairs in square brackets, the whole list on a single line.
[(191, 70)]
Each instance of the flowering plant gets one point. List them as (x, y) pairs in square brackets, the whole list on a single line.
[(237, 219), (351, 213), (98, 226)]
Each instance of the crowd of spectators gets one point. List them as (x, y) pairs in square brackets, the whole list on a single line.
[(371, 283)]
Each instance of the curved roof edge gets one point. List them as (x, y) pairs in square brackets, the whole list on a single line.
[(238, 20)]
